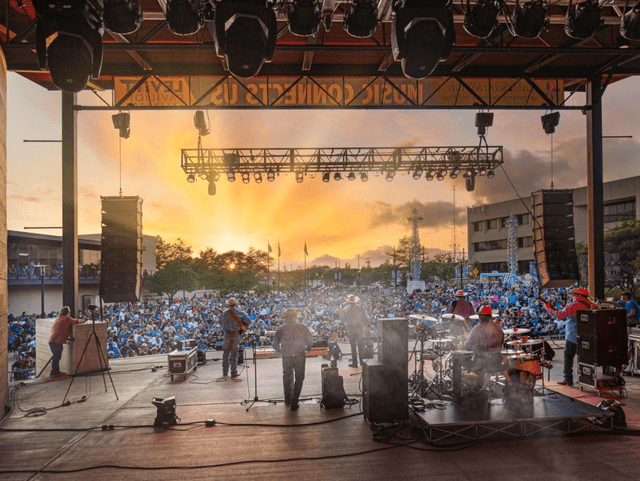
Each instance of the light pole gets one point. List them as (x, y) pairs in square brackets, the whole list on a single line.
[(42, 271)]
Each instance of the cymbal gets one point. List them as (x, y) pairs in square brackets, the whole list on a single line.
[(530, 342), (452, 317), (442, 341), (423, 318), (517, 330)]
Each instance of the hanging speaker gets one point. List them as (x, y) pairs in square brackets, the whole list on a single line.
[(121, 249), (554, 246)]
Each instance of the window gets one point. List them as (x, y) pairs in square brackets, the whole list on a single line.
[(620, 211), (503, 221), (525, 241), (523, 219), (477, 226), (492, 224), (490, 245)]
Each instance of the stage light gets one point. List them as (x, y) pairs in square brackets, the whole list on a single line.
[(490, 174), (214, 176), (122, 16), (364, 176), (246, 178), (351, 176), (480, 20), (166, 411), (630, 23), (328, 6), (257, 177), (211, 188), (417, 174), (361, 18), (430, 175), (390, 175), (69, 41), (245, 35), (299, 177), (303, 16), (583, 19), (470, 183), (529, 19), (482, 170), (337, 176), (201, 123), (191, 178), (231, 176), (121, 121), (469, 173), (183, 16), (326, 177), (455, 173), (421, 37), (271, 175), (483, 121), (441, 175), (550, 122)]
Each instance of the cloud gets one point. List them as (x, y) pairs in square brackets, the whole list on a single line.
[(25, 198), (434, 214), (325, 260), (88, 192)]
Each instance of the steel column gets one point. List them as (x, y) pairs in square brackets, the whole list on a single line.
[(69, 202)]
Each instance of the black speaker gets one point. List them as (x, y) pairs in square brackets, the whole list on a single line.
[(121, 249), (393, 348), (602, 337), (385, 393), (554, 246)]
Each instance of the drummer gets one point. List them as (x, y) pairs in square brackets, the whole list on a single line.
[(463, 308), (485, 340)]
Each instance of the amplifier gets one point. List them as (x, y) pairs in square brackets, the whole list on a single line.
[(385, 395), (320, 341), (181, 363)]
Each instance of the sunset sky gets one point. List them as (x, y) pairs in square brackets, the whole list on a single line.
[(338, 219)]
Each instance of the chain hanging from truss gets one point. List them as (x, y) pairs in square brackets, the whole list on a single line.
[(416, 261)]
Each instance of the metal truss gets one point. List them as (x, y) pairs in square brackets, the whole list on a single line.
[(428, 162)]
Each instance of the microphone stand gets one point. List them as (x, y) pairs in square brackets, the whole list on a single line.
[(256, 399)]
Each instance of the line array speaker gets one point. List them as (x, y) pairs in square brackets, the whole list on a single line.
[(554, 246), (121, 249)]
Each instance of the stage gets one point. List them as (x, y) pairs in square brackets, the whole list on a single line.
[(99, 436)]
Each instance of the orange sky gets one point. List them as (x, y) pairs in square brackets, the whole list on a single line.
[(339, 219)]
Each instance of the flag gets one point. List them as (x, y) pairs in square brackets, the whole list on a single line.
[(269, 249), (279, 253), (305, 249)]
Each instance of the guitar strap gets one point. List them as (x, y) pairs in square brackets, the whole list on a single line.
[(237, 320)]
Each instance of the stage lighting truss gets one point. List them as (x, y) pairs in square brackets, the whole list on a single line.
[(361, 19), (417, 162), (583, 19), (630, 23), (528, 19), (303, 16)]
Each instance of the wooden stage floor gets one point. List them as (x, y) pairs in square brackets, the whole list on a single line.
[(42, 440)]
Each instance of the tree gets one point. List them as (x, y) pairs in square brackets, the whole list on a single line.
[(173, 277), (624, 239), (167, 251), (402, 253)]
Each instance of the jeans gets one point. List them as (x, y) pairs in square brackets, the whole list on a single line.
[(570, 350), (230, 352), (293, 377), (56, 350), (356, 341)]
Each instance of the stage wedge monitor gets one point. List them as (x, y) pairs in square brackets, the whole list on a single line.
[(554, 246), (121, 249)]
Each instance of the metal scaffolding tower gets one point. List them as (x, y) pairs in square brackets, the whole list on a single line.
[(416, 261)]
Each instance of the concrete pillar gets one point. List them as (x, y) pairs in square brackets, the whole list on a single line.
[(4, 329)]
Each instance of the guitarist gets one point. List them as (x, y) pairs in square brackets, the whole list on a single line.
[(580, 302), (233, 322)]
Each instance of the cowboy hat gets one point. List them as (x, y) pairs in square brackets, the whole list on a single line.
[(352, 298), (485, 311), (289, 312), (461, 293), (232, 302), (579, 291)]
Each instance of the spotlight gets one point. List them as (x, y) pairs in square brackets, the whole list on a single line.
[(390, 175), (299, 177), (183, 16), (482, 170), (550, 122), (430, 175), (215, 177), (231, 176), (69, 41), (303, 16), (630, 23), (257, 177), (122, 16), (245, 35), (490, 174), (529, 19), (121, 121), (455, 173), (191, 178), (211, 188), (480, 20), (166, 411), (200, 123), (421, 37), (417, 174), (469, 173), (441, 175), (336, 176), (361, 19), (246, 178), (583, 19), (351, 176), (470, 183), (364, 177), (271, 175), (326, 177), (483, 120)]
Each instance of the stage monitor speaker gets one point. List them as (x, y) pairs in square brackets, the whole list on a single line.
[(393, 348), (602, 337), (554, 246), (385, 393), (121, 249)]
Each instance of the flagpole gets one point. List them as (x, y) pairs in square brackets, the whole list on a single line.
[(278, 265), (305, 267), (268, 269)]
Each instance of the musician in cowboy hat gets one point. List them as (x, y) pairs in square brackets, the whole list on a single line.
[(355, 319), (580, 302), (463, 308), (233, 322)]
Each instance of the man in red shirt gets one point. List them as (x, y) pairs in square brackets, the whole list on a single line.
[(59, 334)]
